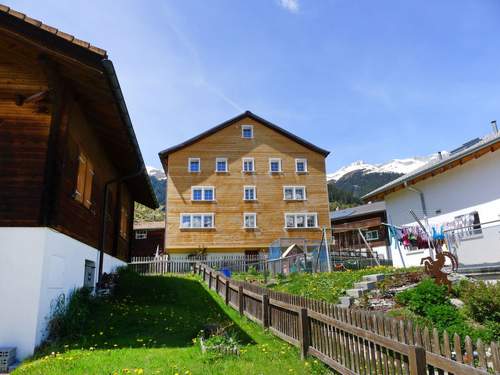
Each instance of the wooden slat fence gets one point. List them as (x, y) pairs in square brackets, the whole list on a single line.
[(353, 341)]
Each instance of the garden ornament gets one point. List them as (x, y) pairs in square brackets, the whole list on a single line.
[(433, 267)]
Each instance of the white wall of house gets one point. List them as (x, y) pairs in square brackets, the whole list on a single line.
[(37, 266), (473, 186)]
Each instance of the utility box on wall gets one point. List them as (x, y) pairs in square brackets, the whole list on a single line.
[(89, 275)]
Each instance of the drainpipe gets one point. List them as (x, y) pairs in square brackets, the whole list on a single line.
[(104, 221)]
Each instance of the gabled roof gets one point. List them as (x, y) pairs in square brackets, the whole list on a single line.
[(231, 121), (92, 75), (470, 150), (362, 210)]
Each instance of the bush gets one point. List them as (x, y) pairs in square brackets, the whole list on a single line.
[(426, 294), (482, 300), (69, 314)]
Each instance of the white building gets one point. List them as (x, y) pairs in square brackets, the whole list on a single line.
[(458, 196)]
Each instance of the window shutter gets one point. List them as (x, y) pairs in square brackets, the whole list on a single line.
[(80, 182), (89, 178)]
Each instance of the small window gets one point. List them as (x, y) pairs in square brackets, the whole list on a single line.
[(141, 235), (301, 165), (221, 165), (194, 165), (301, 220), (274, 165), (197, 221), (202, 193), (294, 193), (84, 181), (249, 220), (248, 165), (372, 235), (247, 131), (249, 193)]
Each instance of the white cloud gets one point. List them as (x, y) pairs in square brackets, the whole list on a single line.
[(290, 5)]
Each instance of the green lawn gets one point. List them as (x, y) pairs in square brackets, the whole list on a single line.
[(149, 327)]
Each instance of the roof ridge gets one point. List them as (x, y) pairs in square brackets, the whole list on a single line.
[(61, 34), (255, 117)]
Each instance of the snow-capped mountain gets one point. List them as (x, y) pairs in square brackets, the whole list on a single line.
[(155, 172), (400, 166)]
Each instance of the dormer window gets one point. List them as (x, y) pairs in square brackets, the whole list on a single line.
[(247, 131), (301, 165), (194, 165), (274, 165)]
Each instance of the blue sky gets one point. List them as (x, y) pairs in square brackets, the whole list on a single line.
[(368, 80)]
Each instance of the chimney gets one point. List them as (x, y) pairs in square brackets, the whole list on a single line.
[(494, 126)]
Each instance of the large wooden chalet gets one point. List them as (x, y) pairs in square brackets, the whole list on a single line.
[(70, 172), (241, 186)]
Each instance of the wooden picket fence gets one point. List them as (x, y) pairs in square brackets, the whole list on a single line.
[(181, 264), (352, 341)]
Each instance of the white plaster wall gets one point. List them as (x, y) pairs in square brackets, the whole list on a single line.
[(41, 265), (474, 186), (21, 262)]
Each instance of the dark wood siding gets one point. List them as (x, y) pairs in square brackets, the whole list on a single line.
[(147, 247), (23, 144)]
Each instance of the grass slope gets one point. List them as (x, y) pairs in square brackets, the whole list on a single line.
[(323, 286), (148, 328)]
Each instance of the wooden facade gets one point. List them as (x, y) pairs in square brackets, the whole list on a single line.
[(148, 238), (59, 100), (368, 218), (228, 207)]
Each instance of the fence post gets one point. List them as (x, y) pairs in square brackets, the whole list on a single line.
[(210, 280), (217, 283), (204, 274), (416, 360), (265, 311), (241, 300), (304, 333), (226, 296)]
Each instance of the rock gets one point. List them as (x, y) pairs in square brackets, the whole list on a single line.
[(456, 302), (346, 301), (356, 293), (366, 285), (375, 277)]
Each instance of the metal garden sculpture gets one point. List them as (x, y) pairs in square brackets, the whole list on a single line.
[(433, 267)]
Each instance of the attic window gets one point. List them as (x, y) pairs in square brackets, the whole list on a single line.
[(247, 131)]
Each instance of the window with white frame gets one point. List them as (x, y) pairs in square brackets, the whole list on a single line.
[(301, 220), (249, 193), (141, 235), (301, 165), (294, 193), (249, 220), (197, 221), (202, 193), (274, 165), (221, 165), (247, 131), (372, 235), (194, 165), (248, 165)]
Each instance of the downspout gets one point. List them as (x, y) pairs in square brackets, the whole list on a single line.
[(104, 221)]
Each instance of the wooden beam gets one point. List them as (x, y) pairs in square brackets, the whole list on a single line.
[(20, 99)]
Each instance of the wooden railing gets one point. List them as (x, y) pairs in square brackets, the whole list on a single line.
[(353, 341)]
